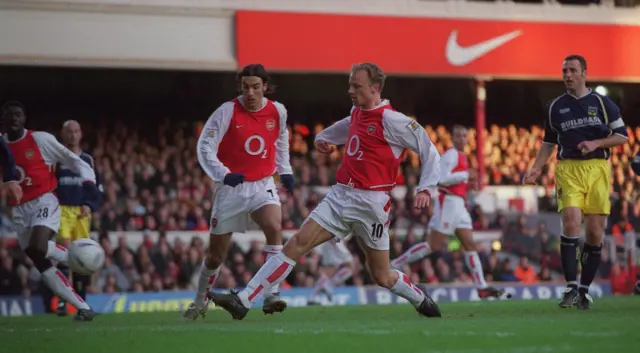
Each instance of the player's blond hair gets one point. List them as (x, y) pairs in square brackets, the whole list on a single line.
[(374, 72)]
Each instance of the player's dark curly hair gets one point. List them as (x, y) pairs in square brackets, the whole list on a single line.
[(579, 58), (255, 70), (12, 104)]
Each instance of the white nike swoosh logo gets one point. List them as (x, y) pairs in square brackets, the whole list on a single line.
[(239, 126), (460, 56)]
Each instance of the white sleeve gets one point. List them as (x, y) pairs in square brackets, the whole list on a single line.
[(209, 140), (283, 164), (403, 131), (337, 133), (53, 151), (448, 163)]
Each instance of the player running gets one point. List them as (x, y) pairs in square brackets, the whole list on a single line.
[(336, 267), (376, 137), (37, 215), (450, 214), (585, 125), (75, 222), (241, 146)]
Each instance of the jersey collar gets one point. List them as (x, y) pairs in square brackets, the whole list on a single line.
[(576, 97), (241, 100)]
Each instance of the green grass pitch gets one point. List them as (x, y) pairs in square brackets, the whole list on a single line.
[(612, 325)]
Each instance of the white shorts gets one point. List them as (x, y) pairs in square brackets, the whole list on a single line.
[(43, 211), (450, 213), (232, 206), (334, 253), (363, 212)]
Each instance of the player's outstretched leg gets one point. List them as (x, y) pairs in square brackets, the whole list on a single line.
[(472, 260), (274, 271), (209, 272), (269, 219), (569, 253), (322, 285), (397, 282), (325, 285), (40, 250), (590, 258), (415, 253)]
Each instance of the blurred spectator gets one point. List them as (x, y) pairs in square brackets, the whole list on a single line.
[(524, 272)]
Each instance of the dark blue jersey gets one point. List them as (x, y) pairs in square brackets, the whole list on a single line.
[(7, 163), (572, 120), (71, 190)]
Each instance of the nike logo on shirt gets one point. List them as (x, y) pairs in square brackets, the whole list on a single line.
[(459, 56)]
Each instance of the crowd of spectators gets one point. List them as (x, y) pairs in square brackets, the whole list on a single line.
[(152, 181)]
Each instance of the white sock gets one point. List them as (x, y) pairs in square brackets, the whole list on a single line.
[(341, 276), (415, 253), (321, 283), (206, 280), (59, 284), (475, 266), (269, 251), (57, 252), (274, 271), (404, 288)]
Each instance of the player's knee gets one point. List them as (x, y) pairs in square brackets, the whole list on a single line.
[(298, 245), (39, 258), (273, 232), (571, 223), (594, 235)]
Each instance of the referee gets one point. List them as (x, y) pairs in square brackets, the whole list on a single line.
[(584, 125)]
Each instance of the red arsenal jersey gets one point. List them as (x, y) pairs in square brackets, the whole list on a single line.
[(253, 143), (375, 141), (35, 154)]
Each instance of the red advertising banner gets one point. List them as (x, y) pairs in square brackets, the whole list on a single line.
[(429, 46)]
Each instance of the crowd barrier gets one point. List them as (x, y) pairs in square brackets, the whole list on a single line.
[(295, 297)]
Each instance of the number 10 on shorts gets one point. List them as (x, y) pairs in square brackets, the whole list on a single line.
[(376, 231)]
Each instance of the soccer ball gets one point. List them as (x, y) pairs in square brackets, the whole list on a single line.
[(85, 256)]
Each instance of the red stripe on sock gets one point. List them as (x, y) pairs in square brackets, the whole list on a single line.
[(212, 279), (63, 278), (60, 247), (401, 258), (79, 297), (408, 282), (472, 262), (342, 273), (278, 272), (256, 292), (422, 246)]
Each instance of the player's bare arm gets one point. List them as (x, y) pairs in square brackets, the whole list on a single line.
[(542, 157)]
